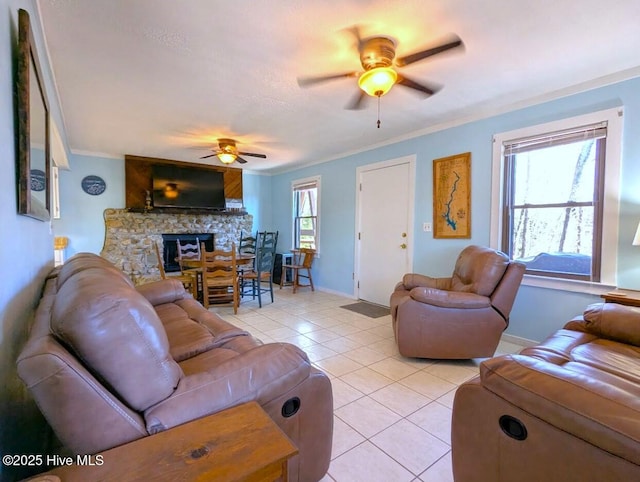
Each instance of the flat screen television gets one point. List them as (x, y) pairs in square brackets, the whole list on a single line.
[(187, 187)]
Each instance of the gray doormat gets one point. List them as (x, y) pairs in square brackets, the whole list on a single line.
[(367, 309)]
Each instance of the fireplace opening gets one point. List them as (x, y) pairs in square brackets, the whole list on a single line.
[(170, 252)]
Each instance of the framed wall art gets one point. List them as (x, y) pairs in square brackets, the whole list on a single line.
[(33, 159), (452, 196)]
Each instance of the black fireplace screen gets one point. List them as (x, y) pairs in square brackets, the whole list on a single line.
[(170, 253)]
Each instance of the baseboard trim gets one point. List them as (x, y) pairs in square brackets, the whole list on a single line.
[(335, 292), (517, 340)]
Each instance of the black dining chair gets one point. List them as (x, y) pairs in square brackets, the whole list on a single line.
[(259, 280)]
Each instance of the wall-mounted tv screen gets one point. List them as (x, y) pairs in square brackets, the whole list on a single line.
[(187, 187)]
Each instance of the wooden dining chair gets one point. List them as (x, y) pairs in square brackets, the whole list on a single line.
[(246, 248), (187, 279), (252, 280), (300, 268), (188, 252), (247, 243), (220, 277)]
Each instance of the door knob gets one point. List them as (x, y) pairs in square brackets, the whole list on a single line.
[(403, 246)]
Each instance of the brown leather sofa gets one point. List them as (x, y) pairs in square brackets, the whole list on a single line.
[(108, 364), (461, 316), (566, 410)]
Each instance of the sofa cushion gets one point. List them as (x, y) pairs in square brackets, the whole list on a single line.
[(117, 334), (479, 270), (262, 374), (192, 330), (186, 337)]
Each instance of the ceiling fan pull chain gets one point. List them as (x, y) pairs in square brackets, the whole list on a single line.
[(379, 112)]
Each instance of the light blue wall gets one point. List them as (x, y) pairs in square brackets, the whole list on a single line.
[(26, 256), (334, 268), (27, 249), (256, 190), (538, 311), (81, 216)]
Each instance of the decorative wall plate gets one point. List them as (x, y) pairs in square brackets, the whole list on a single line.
[(38, 180), (93, 185)]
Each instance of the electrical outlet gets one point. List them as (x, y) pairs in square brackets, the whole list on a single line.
[(426, 227)]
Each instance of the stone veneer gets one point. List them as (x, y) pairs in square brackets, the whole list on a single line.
[(129, 236)]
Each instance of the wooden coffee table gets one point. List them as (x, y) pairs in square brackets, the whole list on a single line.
[(241, 443)]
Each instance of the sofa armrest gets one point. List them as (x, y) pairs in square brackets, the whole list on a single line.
[(449, 299), (415, 280), (260, 374), (163, 291), (595, 406), (611, 321)]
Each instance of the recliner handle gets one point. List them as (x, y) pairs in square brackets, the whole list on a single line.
[(513, 427), (290, 407)]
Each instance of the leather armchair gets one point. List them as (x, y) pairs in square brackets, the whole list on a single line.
[(459, 317)]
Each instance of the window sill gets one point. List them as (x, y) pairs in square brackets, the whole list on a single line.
[(575, 286)]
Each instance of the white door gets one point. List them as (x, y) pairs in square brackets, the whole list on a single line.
[(384, 227)]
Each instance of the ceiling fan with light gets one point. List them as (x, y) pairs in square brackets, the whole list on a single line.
[(228, 152), (379, 64)]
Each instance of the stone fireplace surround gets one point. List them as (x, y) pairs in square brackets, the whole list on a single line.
[(129, 236)]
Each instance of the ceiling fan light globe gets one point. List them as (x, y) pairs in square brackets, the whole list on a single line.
[(377, 82), (226, 158), (171, 190)]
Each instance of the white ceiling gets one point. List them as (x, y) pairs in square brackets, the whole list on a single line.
[(165, 79)]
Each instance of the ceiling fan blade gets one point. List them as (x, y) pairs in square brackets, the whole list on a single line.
[(241, 160), (402, 80), (357, 101), (423, 54), (355, 30), (309, 81), (210, 155), (262, 156)]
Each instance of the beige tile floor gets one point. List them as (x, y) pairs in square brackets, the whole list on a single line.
[(392, 415)]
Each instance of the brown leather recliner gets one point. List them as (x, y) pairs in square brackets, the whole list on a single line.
[(109, 363), (459, 317), (567, 409)]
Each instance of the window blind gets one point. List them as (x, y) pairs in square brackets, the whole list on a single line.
[(583, 133), (305, 186)]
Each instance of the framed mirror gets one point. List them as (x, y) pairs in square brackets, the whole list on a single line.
[(34, 155)]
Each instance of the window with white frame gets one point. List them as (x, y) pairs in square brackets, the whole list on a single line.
[(306, 210), (556, 191)]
